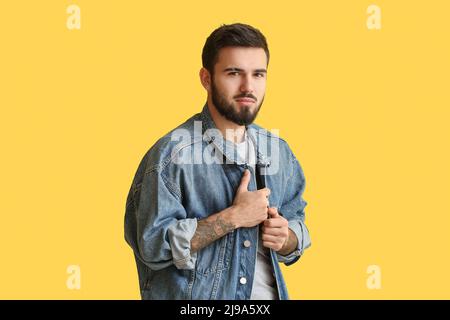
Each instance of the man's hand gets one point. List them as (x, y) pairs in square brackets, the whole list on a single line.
[(250, 207), (277, 235), (248, 210)]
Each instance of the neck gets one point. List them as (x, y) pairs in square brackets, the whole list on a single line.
[(230, 130)]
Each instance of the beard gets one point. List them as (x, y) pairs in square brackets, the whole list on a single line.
[(240, 116)]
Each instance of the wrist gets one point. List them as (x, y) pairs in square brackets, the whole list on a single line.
[(230, 215), (289, 245)]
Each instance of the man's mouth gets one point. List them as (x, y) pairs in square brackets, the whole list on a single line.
[(245, 100)]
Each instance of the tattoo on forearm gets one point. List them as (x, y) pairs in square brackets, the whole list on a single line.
[(209, 230)]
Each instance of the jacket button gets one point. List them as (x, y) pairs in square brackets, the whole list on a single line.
[(243, 280), (247, 243)]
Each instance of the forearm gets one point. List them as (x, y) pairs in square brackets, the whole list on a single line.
[(212, 228), (290, 245)]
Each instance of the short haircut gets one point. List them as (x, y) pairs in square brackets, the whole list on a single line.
[(232, 35)]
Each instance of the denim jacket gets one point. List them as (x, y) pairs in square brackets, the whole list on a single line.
[(174, 187)]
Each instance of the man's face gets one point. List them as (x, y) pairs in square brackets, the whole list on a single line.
[(238, 84)]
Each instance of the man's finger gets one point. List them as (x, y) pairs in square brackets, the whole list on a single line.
[(274, 232), (266, 192), (271, 245), (277, 222), (272, 238), (243, 186)]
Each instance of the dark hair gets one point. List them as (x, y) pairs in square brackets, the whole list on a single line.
[(232, 35)]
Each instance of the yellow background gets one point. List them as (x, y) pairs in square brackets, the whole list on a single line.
[(365, 111)]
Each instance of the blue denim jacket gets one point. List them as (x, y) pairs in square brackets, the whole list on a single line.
[(169, 194)]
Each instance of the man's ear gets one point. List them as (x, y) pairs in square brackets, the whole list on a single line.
[(205, 79)]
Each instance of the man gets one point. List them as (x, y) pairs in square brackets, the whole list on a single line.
[(210, 216)]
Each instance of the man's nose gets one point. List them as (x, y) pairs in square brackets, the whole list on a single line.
[(246, 85)]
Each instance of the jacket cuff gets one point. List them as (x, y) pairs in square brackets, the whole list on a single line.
[(180, 235), (294, 255)]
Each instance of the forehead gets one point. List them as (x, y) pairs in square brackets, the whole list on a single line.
[(242, 57)]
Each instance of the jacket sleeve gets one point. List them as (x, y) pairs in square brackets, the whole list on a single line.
[(293, 209), (156, 223)]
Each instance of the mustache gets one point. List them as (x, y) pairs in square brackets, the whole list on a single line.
[(246, 95)]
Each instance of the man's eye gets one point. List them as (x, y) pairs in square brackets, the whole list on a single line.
[(235, 73), (260, 75)]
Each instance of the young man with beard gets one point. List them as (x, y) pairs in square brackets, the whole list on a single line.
[(211, 216)]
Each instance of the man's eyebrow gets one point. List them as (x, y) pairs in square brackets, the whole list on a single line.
[(240, 70)]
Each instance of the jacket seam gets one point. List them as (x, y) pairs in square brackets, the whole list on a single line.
[(162, 165), (171, 187)]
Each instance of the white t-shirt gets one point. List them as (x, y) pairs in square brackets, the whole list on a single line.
[(264, 284)]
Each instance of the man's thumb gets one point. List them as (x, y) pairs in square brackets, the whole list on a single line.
[(244, 181), (273, 212)]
